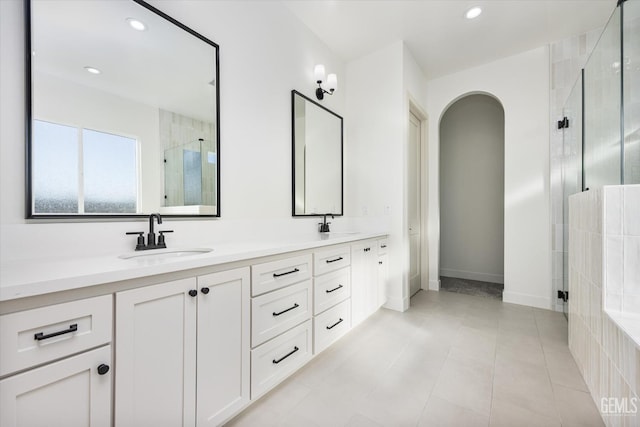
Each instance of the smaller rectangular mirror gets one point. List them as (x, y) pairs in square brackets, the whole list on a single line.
[(317, 162)]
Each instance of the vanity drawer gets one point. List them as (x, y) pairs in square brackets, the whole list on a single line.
[(331, 288), (275, 312), (382, 246), (37, 336), (274, 361), (331, 325), (331, 259), (274, 275)]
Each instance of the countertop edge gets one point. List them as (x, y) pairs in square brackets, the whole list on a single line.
[(128, 270)]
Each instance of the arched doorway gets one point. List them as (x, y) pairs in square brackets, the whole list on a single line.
[(472, 196)]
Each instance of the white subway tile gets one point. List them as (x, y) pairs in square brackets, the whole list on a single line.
[(613, 302), (613, 210), (631, 212), (614, 264), (631, 260)]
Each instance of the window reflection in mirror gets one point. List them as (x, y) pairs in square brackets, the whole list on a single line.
[(317, 158), (98, 140)]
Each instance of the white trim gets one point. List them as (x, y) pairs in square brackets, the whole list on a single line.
[(525, 299), (434, 285), (397, 303), (472, 275)]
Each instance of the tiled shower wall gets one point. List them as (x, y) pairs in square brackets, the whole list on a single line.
[(607, 357), (568, 57), (178, 132)]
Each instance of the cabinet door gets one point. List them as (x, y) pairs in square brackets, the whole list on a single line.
[(364, 284), (155, 355), (67, 393), (383, 276), (223, 345)]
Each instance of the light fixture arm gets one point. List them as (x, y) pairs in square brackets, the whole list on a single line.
[(320, 91)]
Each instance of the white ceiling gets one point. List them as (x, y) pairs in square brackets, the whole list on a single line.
[(437, 33)]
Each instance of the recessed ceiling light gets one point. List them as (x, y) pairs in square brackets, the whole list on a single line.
[(472, 13), (92, 70), (136, 25)]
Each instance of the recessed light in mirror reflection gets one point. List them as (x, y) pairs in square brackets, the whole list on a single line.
[(136, 24), (472, 13), (92, 70)]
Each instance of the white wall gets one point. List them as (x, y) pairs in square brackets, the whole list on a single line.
[(521, 84), (264, 53), (379, 86), (472, 190)]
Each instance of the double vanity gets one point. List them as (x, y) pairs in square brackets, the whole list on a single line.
[(164, 335), (177, 336)]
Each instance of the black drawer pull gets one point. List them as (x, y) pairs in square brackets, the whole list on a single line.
[(41, 336), (295, 270), (383, 246), (286, 355), (284, 311), (333, 290), (367, 249), (329, 261), (335, 324)]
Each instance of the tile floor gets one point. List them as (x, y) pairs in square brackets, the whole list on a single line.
[(450, 360)]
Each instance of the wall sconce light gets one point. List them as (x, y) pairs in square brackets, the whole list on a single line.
[(332, 82)]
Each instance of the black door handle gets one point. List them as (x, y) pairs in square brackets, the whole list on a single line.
[(295, 270), (286, 355), (335, 324), (41, 336), (284, 311), (333, 290)]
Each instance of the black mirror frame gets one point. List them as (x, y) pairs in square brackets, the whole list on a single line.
[(29, 123), (293, 157)]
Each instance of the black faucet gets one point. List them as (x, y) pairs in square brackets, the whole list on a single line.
[(324, 225), (151, 237)]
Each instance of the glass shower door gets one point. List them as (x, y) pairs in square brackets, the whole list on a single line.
[(602, 101), (631, 89), (571, 171)]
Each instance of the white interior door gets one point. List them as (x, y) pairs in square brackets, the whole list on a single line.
[(414, 157)]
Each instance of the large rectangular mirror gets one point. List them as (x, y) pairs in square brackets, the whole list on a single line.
[(317, 158), (122, 112)]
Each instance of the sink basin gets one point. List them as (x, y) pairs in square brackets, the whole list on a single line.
[(342, 233), (165, 253)]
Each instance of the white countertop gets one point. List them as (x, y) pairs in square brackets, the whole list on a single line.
[(25, 278)]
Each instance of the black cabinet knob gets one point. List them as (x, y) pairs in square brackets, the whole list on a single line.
[(204, 290), (193, 292), (103, 369)]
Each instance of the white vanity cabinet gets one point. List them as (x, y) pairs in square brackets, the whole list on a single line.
[(281, 308), (367, 294), (332, 293), (182, 351), (56, 365), (383, 271)]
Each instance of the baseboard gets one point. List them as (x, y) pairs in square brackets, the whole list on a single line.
[(397, 304), (434, 285), (529, 300), (471, 275)]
